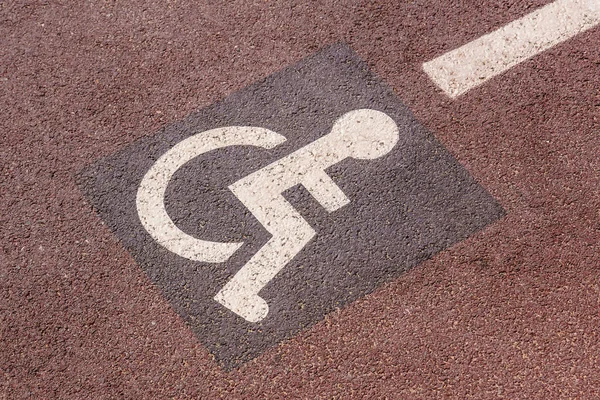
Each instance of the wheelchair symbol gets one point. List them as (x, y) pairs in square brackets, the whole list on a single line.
[(360, 134)]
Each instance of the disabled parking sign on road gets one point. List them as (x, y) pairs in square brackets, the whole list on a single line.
[(262, 213), (361, 134)]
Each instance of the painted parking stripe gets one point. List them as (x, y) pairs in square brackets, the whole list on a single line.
[(468, 66)]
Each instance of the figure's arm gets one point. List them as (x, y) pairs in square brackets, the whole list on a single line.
[(325, 190)]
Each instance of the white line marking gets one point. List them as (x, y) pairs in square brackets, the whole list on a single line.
[(460, 70)]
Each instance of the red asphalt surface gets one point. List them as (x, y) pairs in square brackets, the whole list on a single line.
[(512, 312)]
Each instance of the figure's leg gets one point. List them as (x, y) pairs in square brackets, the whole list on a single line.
[(290, 233)]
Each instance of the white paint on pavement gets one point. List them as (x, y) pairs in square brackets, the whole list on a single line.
[(151, 192), (460, 70), (361, 134)]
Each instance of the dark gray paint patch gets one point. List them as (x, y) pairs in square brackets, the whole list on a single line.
[(405, 206)]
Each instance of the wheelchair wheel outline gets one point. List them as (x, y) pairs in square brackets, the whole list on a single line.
[(151, 191)]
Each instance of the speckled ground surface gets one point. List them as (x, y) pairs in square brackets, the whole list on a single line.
[(511, 312)]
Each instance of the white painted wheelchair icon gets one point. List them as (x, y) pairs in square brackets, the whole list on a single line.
[(360, 134)]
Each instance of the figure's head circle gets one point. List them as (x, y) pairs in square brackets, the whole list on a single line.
[(367, 133)]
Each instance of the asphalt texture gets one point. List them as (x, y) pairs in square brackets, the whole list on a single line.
[(405, 207), (507, 310)]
